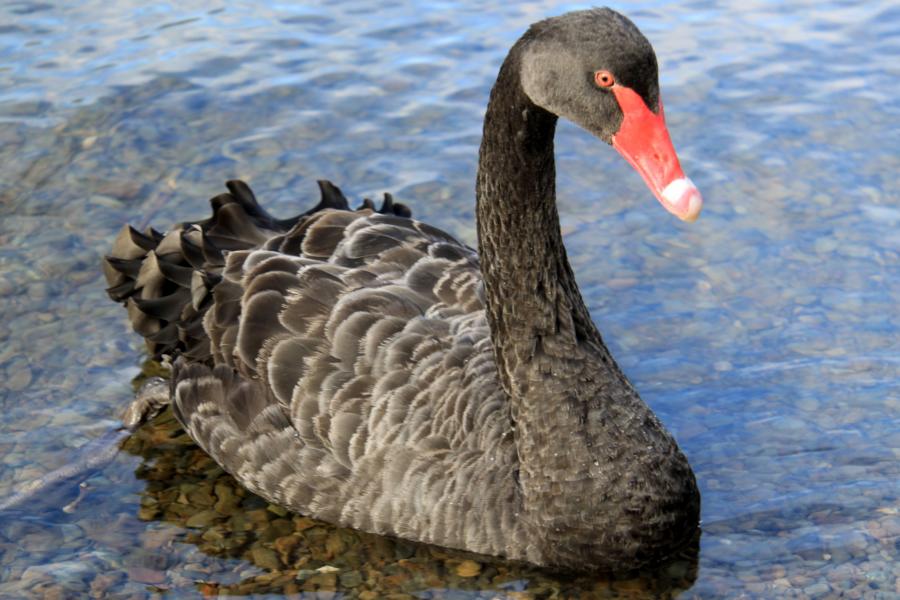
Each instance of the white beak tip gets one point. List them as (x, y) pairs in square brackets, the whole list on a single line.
[(682, 198)]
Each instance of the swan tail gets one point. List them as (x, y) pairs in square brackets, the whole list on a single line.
[(165, 280)]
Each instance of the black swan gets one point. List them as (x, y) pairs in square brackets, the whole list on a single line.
[(367, 369)]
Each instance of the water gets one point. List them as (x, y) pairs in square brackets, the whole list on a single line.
[(765, 335)]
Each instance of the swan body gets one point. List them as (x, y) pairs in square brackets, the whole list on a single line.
[(367, 369)]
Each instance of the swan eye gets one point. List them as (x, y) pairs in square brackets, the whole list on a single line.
[(604, 79)]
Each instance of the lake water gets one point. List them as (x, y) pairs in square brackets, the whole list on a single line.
[(766, 335)]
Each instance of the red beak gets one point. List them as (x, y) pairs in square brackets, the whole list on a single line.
[(644, 142)]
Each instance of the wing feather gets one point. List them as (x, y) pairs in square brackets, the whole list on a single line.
[(338, 362)]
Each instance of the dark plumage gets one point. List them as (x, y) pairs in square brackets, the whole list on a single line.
[(367, 369)]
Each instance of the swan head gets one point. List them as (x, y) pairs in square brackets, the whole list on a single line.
[(595, 68)]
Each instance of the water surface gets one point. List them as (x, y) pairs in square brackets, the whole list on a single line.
[(765, 335)]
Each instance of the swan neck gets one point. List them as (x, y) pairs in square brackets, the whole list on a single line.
[(532, 300)]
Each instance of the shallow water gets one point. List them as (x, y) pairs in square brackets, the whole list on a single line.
[(765, 335)]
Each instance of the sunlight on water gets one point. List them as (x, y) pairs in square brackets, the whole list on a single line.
[(765, 335)]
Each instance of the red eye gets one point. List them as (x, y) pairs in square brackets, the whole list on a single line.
[(604, 79)]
